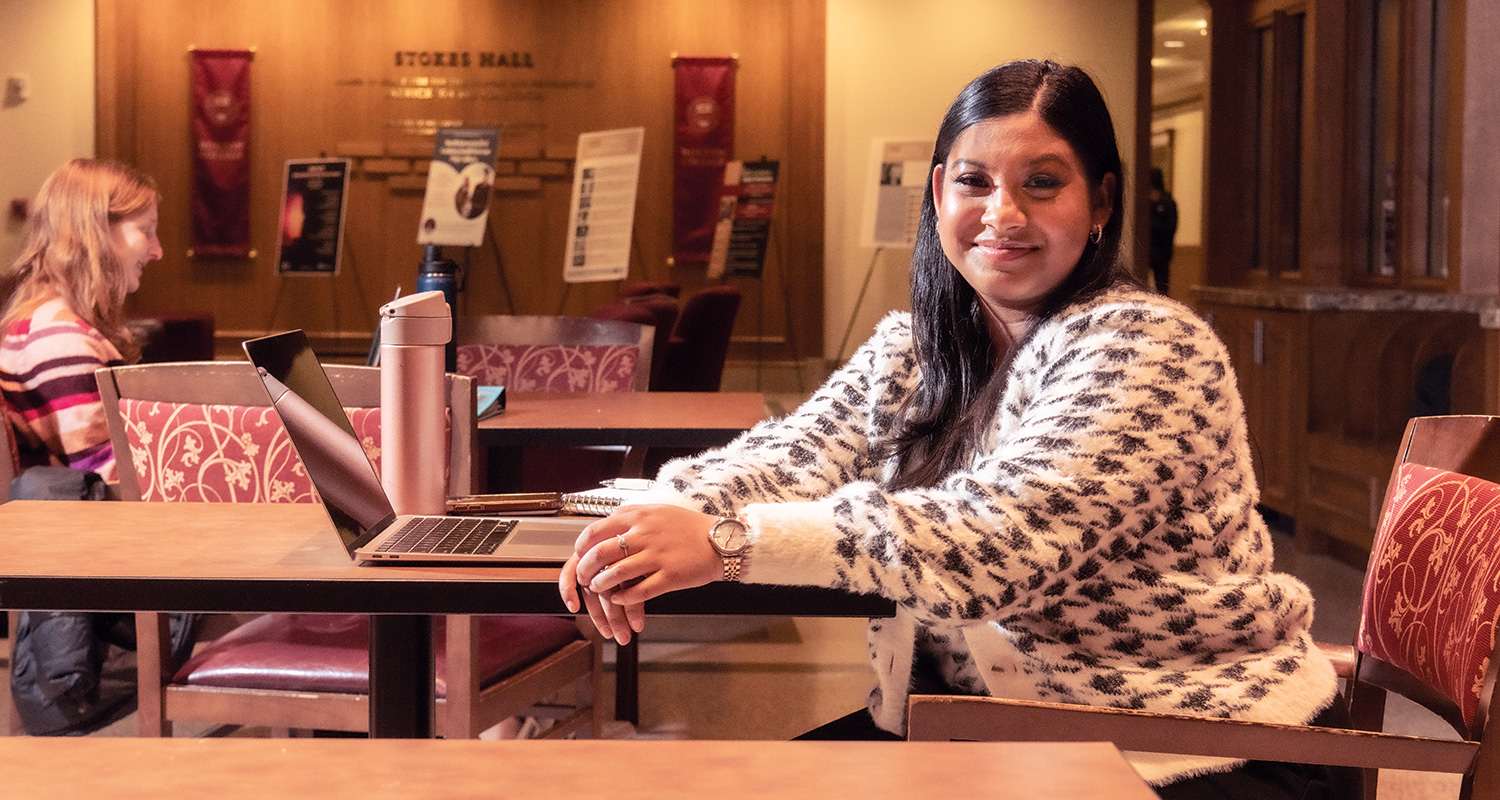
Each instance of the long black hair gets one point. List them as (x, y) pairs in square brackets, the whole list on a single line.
[(962, 374)]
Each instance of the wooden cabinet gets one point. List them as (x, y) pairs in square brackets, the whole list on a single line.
[(1266, 350), (1329, 381)]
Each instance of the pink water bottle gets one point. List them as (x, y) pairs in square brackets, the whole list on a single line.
[(414, 332)]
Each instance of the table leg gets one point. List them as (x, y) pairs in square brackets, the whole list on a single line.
[(503, 469), (628, 681), (403, 688)]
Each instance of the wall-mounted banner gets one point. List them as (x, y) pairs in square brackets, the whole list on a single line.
[(703, 144), (746, 202), (456, 209), (313, 198), (602, 220), (221, 153), (893, 192)]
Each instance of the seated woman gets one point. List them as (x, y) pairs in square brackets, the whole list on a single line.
[(1044, 465), (90, 236), (91, 233)]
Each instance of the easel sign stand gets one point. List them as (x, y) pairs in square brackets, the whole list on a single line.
[(314, 198), (601, 218), (897, 180), (455, 208), (746, 205)]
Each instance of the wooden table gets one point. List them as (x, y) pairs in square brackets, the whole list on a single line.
[(218, 557), (344, 769), (650, 419), (692, 420)]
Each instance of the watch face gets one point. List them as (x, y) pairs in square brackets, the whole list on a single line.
[(729, 536)]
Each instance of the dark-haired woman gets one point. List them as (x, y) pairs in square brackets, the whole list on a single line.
[(1043, 464)]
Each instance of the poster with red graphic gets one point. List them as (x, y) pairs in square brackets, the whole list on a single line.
[(746, 204), (312, 216), (221, 153)]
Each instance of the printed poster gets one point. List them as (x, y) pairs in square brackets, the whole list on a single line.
[(897, 181), (746, 204), (313, 199), (602, 219), (456, 209)]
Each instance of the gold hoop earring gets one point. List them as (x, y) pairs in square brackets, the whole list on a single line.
[(1096, 233)]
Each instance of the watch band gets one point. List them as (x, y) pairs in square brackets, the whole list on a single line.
[(734, 559)]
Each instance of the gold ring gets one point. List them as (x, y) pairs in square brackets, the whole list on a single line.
[(620, 540)]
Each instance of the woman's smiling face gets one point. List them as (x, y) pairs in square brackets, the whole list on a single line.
[(1015, 210), (134, 242)]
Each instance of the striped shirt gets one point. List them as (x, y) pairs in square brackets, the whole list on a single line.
[(52, 404)]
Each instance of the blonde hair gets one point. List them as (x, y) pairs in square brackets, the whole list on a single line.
[(68, 252)]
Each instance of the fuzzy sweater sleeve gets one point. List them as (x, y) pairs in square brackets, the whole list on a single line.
[(1118, 431), (47, 375)]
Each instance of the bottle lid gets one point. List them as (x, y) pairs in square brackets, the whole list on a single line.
[(416, 319)]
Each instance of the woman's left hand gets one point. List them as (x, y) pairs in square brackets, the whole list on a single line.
[(633, 555)]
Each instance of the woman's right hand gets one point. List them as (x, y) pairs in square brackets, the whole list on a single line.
[(633, 555)]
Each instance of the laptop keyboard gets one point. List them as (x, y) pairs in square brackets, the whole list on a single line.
[(449, 535)]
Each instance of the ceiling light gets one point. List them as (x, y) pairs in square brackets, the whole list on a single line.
[(1174, 43)]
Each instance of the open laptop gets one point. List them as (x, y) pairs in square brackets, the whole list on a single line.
[(351, 492)]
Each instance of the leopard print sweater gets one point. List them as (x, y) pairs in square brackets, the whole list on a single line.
[(1102, 548)]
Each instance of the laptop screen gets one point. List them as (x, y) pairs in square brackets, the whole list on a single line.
[(320, 431)]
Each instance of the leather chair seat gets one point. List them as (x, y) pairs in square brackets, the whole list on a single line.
[(330, 652)]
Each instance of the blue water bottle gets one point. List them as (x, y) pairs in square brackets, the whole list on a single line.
[(438, 274)]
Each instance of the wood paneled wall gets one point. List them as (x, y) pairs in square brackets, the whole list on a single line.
[(323, 76)]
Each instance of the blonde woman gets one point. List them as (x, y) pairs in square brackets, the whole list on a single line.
[(91, 234)]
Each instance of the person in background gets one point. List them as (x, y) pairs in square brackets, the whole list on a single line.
[(1163, 231), (91, 233), (1043, 464)]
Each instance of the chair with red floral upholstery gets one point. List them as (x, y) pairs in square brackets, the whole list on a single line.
[(556, 354), (206, 432), (1427, 631)]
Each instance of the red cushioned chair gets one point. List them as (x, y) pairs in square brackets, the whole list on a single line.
[(205, 432), (9, 469), (1427, 631), (559, 354), (9, 461), (649, 288), (657, 310), (699, 345)]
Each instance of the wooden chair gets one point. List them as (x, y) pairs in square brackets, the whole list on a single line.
[(699, 345), (562, 354), (557, 354), (205, 432), (9, 463), (554, 354), (9, 470), (657, 310), (1427, 631)]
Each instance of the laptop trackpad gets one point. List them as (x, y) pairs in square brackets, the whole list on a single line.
[(526, 534)]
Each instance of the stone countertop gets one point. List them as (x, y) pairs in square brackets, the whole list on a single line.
[(1487, 307)]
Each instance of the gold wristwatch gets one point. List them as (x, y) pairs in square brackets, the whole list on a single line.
[(728, 539)]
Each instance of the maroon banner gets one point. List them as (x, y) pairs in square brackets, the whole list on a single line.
[(703, 145), (221, 152)]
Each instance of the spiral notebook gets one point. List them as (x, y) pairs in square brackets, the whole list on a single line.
[(603, 501)]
